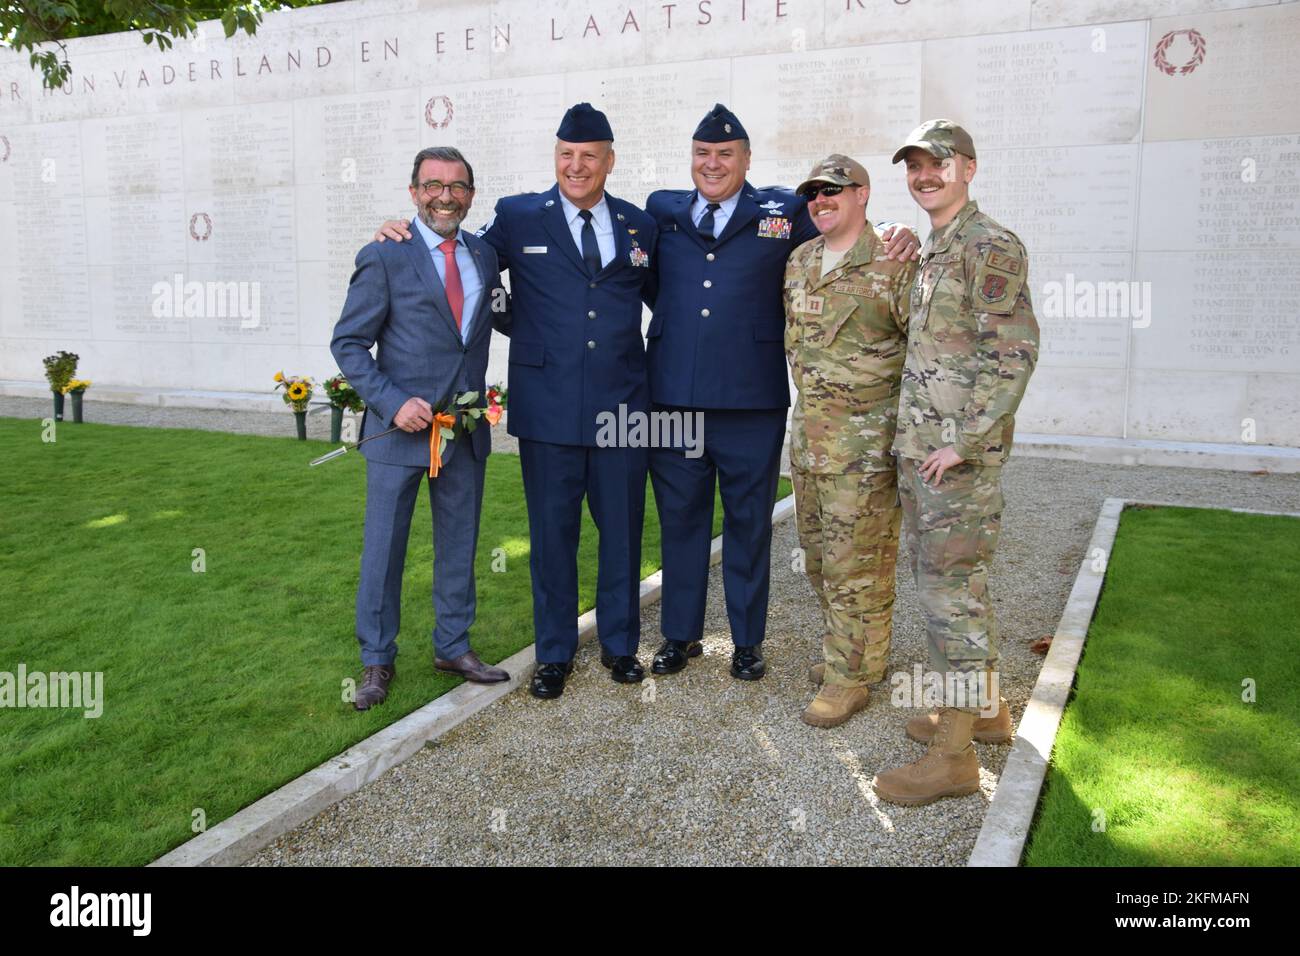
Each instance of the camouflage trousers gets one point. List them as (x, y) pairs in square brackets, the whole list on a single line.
[(848, 529), (953, 528)]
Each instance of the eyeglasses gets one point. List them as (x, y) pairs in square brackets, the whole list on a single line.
[(459, 190), (823, 189)]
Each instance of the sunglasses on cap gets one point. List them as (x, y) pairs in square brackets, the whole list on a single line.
[(822, 189)]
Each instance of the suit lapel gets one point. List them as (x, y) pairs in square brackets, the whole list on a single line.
[(746, 212), (683, 216), (482, 314), (622, 241), (422, 259), (558, 228)]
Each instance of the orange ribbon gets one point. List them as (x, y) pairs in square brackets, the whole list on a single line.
[(440, 420)]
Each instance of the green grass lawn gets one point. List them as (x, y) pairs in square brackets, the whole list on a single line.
[(1157, 737), (223, 685)]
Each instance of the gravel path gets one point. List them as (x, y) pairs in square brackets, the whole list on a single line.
[(709, 770), (698, 768)]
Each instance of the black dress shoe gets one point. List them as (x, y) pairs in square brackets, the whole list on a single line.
[(548, 680), (747, 662), (675, 655), (625, 669)]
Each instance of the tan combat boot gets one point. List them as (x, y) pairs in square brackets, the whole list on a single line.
[(987, 730), (948, 769), (835, 704)]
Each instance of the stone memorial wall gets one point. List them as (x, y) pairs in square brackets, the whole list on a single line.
[(187, 219)]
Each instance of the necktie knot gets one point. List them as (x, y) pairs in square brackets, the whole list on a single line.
[(448, 247), (706, 225), (585, 214)]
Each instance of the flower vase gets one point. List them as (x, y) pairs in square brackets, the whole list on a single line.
[(336, 424), (76, 406), (300, 419), (58, 406)]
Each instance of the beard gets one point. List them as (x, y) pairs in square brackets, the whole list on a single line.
[(446, 228)]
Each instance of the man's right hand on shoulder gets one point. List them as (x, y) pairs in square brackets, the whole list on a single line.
[(395, 229), (414, 416)]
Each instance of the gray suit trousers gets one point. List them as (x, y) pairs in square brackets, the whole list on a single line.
[(455, 499)]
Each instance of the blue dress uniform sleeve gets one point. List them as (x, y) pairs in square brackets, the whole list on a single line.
[(494, 234)]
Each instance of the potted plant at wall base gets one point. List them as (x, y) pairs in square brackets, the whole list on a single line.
[(59, 369), (343, 397), (297, 392), (77, 388)]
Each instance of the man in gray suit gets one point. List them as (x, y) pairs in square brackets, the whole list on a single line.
[(430, 304)]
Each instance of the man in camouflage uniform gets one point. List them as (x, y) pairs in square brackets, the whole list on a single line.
[(846, 308), (972, 345)]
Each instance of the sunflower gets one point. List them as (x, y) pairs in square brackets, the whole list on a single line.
[(298, 391), (279, 376)]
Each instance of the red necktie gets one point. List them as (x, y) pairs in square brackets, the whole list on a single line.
[(455, 293)]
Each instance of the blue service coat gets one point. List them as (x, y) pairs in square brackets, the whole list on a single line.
[(576, 348), (718, 332)]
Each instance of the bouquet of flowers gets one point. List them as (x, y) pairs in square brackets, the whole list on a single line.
[(76, 386), (343, 395), (450, 416), (59, 369), (297, 390), (461, 413), (496, 395)]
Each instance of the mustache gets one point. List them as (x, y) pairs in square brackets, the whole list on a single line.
[(930, 182)]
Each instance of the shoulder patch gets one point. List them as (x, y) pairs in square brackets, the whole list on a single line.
[(994, 288), (1004, 263)]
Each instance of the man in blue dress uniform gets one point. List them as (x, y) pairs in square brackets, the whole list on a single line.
[(579, 262), (716, 345)]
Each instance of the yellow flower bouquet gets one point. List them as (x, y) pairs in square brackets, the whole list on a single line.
[(297, 390)]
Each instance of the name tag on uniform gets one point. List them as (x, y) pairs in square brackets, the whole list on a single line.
[(774, 227), (853, 288), (528, 249)]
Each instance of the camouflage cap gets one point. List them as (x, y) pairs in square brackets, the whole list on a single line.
[(940, 138), (838, 169)]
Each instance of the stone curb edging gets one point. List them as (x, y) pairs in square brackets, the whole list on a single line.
[(1006, 824), (1001, 839), (1159, 453), (237, 838)]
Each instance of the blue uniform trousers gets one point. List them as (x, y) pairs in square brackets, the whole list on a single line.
[(742, 455), (556, 478)]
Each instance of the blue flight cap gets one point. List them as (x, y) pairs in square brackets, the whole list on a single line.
[(584, 124), (719, 126)]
